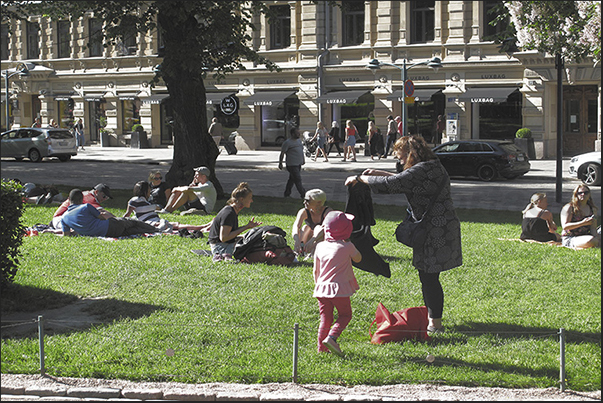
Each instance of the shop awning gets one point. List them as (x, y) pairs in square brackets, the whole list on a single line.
[(486, 95), (62, 97), (420, 95), (155, 99), (268, 98), (127, 97), (341, 97), (93, 97), (214, 98)]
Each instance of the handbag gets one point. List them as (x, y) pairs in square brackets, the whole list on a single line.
[(406, 324), (412, 232)]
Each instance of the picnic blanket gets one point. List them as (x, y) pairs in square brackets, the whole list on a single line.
[(552, 243)]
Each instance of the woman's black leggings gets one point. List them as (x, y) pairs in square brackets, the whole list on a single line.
[(433, 294)]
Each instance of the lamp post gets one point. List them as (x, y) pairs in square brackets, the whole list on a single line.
[(435, 63), (22, 70)]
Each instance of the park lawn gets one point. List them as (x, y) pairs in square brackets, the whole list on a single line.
[(230, 322)]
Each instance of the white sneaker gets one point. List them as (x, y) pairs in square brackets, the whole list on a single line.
[(191, 211), (332, 345), (163, 211)]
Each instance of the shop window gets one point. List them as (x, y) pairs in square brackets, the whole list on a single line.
[(95, 37), (277, 121), (4, 42), (130, 114), (422, 116), (491, 10), (422, 21), (360, 112), (64, 39), (500, 120), (66, 113), (353, 23), (167, 123), (280, 27), (97, 119), (33, 40), (230, 123)]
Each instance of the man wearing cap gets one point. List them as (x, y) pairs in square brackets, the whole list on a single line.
[(99, 194), (83, 219), (197, 198)]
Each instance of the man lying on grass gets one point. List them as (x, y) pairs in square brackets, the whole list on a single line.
[(85, 219)]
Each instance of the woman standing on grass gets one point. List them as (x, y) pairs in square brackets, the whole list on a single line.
[(579, 222), (423, 179), (225, 226)]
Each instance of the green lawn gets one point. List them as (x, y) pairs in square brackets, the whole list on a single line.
[(234, 322)]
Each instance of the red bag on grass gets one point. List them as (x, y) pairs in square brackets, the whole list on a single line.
[(409, 323)]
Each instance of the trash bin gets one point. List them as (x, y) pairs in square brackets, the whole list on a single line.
[(139, 140), (104, 138)]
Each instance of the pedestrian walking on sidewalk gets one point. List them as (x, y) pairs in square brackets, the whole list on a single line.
[(293, 151)]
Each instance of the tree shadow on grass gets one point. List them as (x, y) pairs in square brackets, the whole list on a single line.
[(62, 313)]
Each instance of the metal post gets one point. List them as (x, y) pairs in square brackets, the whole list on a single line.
[(295, 350), (404, 107), (7, 108), (559, 173), (562, 359), (41, 340)]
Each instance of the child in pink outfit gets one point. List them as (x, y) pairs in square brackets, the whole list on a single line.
[(334, 278)]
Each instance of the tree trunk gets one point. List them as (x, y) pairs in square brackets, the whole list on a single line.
[(182, 74)]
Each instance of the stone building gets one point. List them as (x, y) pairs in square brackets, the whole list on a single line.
[(323, 52)]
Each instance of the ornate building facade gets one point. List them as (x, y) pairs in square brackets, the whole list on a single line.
[(323, 52)]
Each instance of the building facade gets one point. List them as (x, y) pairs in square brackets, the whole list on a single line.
[(323, 52)]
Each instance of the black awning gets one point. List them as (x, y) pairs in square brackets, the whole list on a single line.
[(341, 97), (420, 95), (155, 99), (128, 97), (486, 95), (268, 98), (93, 98), (62, 97), (214, 98)]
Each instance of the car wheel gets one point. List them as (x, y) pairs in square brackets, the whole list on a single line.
[(486, 173), (64, 158), (592, 175), (279, 141), (35, 156)]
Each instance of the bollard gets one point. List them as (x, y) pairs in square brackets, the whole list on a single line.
[(562, 359), (41, 340), (295, 348)]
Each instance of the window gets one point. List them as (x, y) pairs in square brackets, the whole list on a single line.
[(4, 43), (128, 45), (33, 40), (422, 15), (64, 38), (130, 114), (491, 11), (280, 27), (95, 37), (65, 110), (353, 22)]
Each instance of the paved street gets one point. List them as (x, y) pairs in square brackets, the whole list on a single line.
[(122, 167)]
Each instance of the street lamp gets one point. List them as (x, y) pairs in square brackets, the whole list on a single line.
[(435, 63), (22, 70)]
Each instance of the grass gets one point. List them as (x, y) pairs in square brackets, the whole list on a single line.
[(234, 322)]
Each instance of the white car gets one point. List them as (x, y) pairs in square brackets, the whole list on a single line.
[(587, 168)]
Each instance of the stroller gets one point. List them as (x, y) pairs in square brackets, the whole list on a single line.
[(309, 145)]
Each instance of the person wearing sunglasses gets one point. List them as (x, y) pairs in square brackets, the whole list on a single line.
[(307, 229), (579, 221), (160, 190)]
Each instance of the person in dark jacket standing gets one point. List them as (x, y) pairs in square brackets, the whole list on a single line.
[(334, 138), (392, 134), (422, 179), (293, 150)]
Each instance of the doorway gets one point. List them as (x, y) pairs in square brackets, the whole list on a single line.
[(580, 114)]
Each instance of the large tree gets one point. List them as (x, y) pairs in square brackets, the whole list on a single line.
[(201, 39)]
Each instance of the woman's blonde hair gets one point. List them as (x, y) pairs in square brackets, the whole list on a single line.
[(536, 197), (574, 203), (316, 195), (416, 150), (152, 175), (240, 192)]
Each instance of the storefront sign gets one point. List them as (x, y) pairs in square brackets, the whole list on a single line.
[(482, 99), (229, 105)]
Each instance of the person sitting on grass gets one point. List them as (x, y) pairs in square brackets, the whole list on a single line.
[(198, 198), (538, 223), (579, 222), (84, 219), (145, 211), (100, 194), (307, 228)]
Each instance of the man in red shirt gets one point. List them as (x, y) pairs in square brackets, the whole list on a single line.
[(95, 197), (400, 129)]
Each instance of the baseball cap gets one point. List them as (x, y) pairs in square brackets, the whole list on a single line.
[(398, 118), (202, 170), (338, 226), (101, 187)]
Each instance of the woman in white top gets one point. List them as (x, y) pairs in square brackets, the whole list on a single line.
[(320, 136)]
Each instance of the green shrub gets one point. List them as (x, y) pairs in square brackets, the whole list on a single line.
[(523, 133), (11, 229), (137, 128)]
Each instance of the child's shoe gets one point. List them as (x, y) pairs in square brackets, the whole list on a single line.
[(333, 346)]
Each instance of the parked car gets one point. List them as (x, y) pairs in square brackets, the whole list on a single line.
[(486, 159), (587, 168), (37, 143)]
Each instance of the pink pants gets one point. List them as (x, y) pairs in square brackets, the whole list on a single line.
[(326, 307)]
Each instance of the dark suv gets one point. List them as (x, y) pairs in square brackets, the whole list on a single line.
[(486, 159)]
